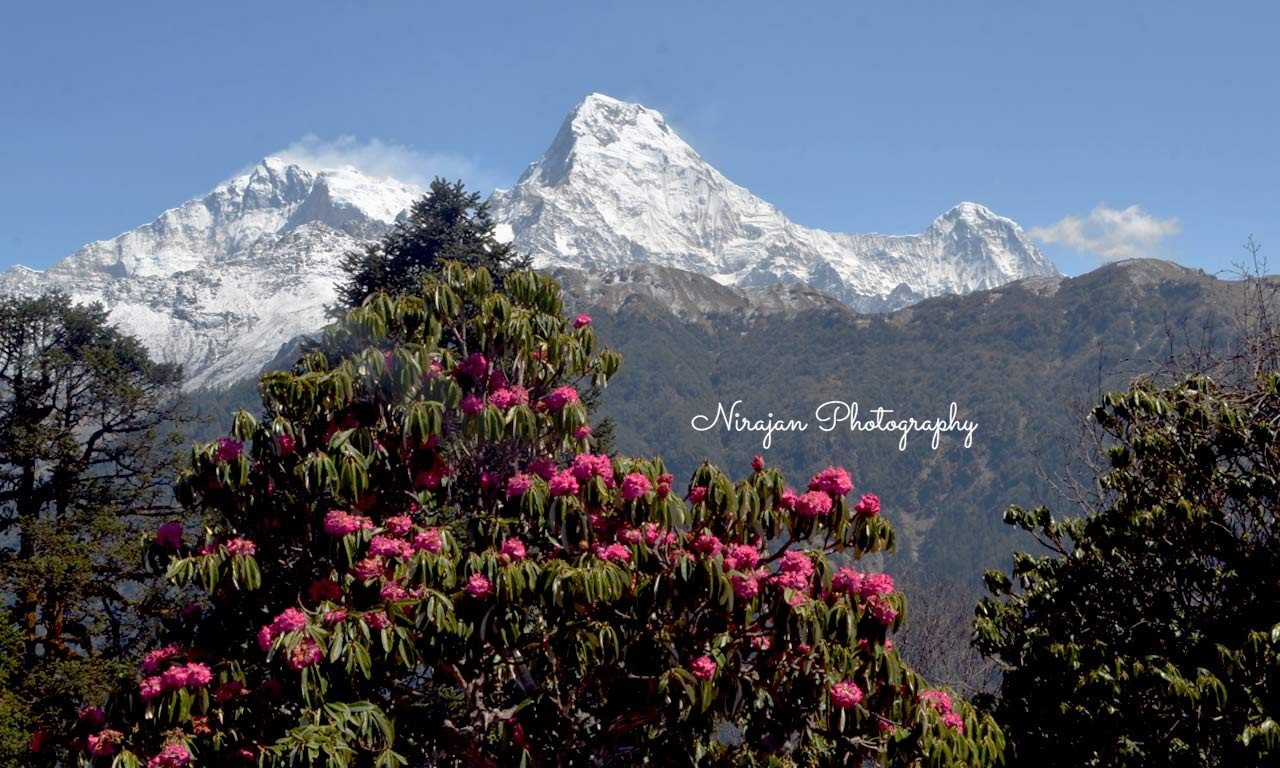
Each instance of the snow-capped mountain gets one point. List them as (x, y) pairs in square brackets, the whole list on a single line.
[(618, 188), (222, 282)]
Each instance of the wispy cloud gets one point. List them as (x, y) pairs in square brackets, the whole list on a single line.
[(1110, 234), (381, 158)]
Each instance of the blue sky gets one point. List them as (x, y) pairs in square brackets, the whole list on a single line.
[(851, 116)]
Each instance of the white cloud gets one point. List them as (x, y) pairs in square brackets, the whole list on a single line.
[(1110, 234), (381, 158)]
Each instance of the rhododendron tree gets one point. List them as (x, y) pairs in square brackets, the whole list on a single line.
[(390, 578)]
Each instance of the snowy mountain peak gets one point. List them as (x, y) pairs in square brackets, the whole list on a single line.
[(618, 188), (221, 282)]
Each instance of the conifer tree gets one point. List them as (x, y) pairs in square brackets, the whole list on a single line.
[(82, 462), (448, 224)]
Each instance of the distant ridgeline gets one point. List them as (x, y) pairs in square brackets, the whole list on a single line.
[(1023, 362)]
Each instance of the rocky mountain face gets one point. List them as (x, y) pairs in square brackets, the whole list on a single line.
[(618, 188), (220, 283)]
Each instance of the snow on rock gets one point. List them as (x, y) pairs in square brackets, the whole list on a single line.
[(222, 282), (618, 188)]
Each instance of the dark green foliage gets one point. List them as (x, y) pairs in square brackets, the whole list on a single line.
[(448, 224), (81, 460), (1148, 633), (1090, 333)]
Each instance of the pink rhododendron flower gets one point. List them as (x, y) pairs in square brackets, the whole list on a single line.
[(560, 397), (198, 675), (564, 483), (664, 484), (228, 450), (703, 668), (369, 568), (340, 523), (227, 691), (635, 485), (518, 484), (586, 466), (953, 721), (241, 548), (881, 610), (813, 504), (151, 688), (581, 320), (846, 694), (745, 587), (832, 480), (398, 525), (377, 620), (285, 445), (289, 620), (787, 500), (742, 557), (104, 742), (478, 586), (706, 544), (385, 546), (939, 700), (391, 592), (475, 366), (265, 638), (431, 478), (429, 540), (335, 617), (543, 467), (514, 549), (697, 494), (471, 405), (614, 553), (93, 717), (169, 535), (794, 571), (324, 589), (846, 580), (434, 369), (630, 536), (151, 662), (304, 654), (874, 584), (868, 505), (757, 463), (509, 397), (37, 740), (172, 756), (582, 432)]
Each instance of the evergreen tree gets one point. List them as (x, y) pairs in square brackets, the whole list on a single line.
[(448, 224), (1147, 633), (82, 458)]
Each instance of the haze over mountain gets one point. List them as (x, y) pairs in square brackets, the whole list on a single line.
[(220, 283)]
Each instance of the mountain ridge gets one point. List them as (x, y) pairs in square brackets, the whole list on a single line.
[(221, 282)]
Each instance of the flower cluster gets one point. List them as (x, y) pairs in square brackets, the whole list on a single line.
[(340, 523), (239, 547), (846, 694), (560, 397), (176, 677), (172, 756), (940, 701), (289, 620)]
